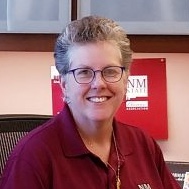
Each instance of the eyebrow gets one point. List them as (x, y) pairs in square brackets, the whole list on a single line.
[(87, 66)]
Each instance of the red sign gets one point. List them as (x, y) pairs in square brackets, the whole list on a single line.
[(145, 105), (146, 99)]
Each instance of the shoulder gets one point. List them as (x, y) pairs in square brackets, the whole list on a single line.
[(37, 140), (36, 151), (136, 138), (132, 131)]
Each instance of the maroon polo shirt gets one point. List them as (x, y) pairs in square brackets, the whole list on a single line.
[(53, 156)]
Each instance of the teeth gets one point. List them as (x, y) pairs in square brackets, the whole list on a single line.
[(98, 99)]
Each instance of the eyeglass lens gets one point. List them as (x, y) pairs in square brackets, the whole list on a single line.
[(86, 75)]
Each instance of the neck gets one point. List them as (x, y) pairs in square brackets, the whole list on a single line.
[(98, 134), (97, 140), (100, 144)]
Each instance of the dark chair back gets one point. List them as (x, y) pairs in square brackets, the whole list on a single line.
[(12, 129)]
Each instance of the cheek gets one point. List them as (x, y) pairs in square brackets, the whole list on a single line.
[(69, 85), (76, 91)]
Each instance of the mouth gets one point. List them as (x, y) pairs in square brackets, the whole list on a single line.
[(98, 99)]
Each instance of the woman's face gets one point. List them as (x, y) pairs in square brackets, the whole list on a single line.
[(98, 100)]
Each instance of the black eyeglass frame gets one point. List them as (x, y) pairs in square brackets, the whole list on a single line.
[(94, 74)]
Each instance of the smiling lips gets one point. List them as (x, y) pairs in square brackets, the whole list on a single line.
[(98, 99)]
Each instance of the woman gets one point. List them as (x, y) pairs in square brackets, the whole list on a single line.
[(84, 146)]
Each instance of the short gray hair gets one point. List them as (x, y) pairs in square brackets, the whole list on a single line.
[(86, 30)]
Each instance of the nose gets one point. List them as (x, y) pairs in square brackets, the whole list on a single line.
[(98, 80)]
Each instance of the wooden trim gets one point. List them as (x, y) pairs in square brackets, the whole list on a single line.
[(27, 42), (139, 43), (74, 10), (160, 43)]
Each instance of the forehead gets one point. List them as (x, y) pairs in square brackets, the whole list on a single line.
[(99, 54)]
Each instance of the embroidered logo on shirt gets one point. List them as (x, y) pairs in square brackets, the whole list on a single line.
[(144, 186)]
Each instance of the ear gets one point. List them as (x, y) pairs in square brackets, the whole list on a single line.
[(63, 84), (126, 77)]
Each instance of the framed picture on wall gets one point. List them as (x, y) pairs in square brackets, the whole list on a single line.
[(142, 16)]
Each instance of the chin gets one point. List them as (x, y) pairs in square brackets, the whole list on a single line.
[(100, 117)]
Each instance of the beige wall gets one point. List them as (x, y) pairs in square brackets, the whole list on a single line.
[(25, 82), (25, 88)]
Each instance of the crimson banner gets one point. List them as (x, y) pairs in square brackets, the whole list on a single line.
[(145, 104)]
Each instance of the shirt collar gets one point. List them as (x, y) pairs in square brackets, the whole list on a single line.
[(123, 138), (71, 142)]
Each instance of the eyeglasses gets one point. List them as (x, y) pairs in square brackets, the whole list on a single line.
[(110, 74)]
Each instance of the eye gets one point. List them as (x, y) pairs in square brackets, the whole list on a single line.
[(84, 72), (111, 72)]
